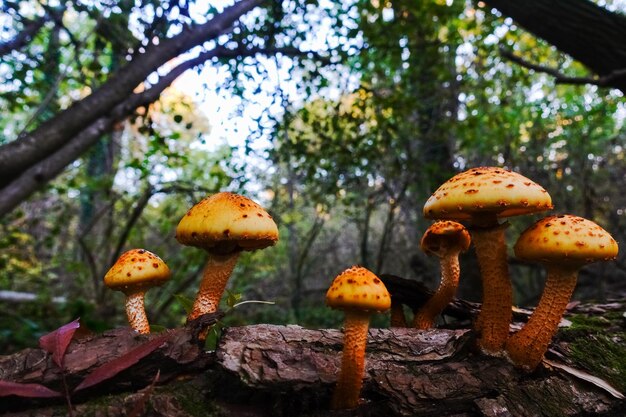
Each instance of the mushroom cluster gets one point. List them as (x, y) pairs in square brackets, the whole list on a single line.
[(480, 197), (467, 209), (224, 225)]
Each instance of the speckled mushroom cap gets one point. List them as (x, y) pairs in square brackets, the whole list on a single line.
[(227, 222), (566, 239), (486, 190), (137, 269), (445, 234), (358, 288)]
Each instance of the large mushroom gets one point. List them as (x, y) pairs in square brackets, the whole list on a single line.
[(563, 244), (444, 239), (479, 197), (223, 224), (359, 293), (134, 272)]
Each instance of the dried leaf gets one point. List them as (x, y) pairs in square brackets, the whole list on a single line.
[(117, 365), (26, 390), (57, 341), (598, 382)]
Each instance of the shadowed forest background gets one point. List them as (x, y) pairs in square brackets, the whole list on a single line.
[(360, 110)]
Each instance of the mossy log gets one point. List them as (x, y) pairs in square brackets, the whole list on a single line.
[(269, 370)]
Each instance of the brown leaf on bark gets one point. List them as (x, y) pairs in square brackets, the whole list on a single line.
[(117, 365), (26, 390)]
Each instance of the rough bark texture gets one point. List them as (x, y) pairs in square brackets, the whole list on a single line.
[(269, 370)]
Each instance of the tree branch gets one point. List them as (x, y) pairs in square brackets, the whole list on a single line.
[(45, 170), (559, 77), (23, 153), (589, 33)]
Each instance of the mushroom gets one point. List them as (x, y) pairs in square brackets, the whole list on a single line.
[(480, 196), (223, 224), (136, 271), (444, 239), (563, 244), (359, 293)]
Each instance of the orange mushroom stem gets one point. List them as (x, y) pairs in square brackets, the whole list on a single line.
[(136, 312), (359, 293), (215, 275), (444, 239), (356, 325), (527, 347), (492, 324), (563, 244)]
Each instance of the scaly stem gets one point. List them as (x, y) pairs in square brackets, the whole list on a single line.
[(527, 347), (450, 271), (350, 379), (214, 279), (136, 312), (495, 316)]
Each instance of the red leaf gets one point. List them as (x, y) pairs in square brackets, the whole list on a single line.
[(117, 365), (57, 341), (26, 390)]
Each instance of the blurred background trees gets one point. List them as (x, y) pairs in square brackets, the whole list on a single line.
[(360, 109)]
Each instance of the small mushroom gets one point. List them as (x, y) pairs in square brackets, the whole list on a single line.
[(563, 244), (480, 196), (223, 224), (134, 273), (359, 293), (444, 239)]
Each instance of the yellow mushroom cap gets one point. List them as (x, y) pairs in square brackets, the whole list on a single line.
[(566, 239), (227, 220), (486, 190), (358, 288), (137, 269), (444, 235)]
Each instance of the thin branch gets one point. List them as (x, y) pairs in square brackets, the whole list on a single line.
[(23, 153), (132, 219), (560, 78), (93, 268)]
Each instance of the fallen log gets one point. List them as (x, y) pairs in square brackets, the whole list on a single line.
[(264, 370)]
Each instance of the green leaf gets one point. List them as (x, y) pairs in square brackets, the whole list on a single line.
[(232, 298), (184, 301)]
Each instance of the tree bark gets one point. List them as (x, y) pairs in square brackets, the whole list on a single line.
[(275, 370), (587, 32)]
